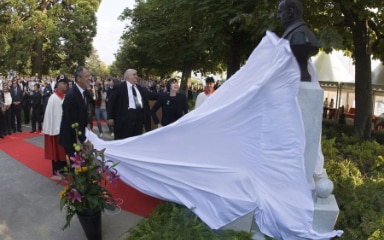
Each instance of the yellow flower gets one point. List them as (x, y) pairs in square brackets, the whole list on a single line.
[(64, 191), (82, 169)]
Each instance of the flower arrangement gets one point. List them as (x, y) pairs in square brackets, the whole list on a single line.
[(84, 179)]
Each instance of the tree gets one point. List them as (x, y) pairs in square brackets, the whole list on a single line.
[(164, 37), (47, 35), (95, 65), (355, 27), (221, 26), (201, 37)]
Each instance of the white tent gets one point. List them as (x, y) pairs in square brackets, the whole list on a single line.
[(336, 74), (334, 67), (378, 75)]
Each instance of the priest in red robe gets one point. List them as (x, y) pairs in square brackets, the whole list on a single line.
[(51, 126)]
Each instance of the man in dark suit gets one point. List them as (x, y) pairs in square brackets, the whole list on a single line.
[(75, 111), (17, 98), (128, 106)]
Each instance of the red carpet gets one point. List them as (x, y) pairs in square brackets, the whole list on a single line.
[(33, 157)]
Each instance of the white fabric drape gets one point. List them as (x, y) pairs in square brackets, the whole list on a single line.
[(240, 151)]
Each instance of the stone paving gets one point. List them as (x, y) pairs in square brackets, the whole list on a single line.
[(30, 206)]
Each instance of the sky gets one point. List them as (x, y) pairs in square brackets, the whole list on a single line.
[(109, 28)]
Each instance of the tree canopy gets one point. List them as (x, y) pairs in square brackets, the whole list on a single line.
[(205, 35), (45, 35)]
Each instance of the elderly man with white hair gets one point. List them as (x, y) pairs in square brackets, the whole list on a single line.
[(128, 109)]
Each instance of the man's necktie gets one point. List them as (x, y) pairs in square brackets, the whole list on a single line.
[(84, 99), (137, 103)]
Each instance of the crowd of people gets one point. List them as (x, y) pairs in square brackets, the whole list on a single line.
[(25, 98)]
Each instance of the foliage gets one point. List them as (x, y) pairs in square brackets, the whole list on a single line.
[(356, 168), (40, 36), (202, 37), (84, 179), (96, 66), (212, 32), (172, 221), (357, 28)]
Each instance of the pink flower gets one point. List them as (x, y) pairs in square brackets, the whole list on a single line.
[(77, 160), (57, 177), (74, 195)]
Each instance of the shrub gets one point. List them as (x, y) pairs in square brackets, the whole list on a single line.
[(356, 170), (173, 221)]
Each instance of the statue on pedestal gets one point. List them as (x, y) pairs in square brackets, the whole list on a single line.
[(302, 40)]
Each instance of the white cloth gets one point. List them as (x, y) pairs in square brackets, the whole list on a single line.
[(241, 151), (52, 116), (201, 97)]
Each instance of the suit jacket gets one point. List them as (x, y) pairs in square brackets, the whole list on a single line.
[(36, 99), (2, 106), (16, 97), (74, 111), (118, 105)]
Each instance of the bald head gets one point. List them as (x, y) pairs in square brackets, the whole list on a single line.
[(289, 11)]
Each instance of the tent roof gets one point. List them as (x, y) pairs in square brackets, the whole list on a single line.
[(378, 75), (334, 67)]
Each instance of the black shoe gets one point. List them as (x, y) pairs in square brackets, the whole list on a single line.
[(19, 130), (33, 131), (1, 136), (14, 130)]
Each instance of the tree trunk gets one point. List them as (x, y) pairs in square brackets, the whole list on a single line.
[(363, 82), (186, 77), (234, 56), (37, 57)]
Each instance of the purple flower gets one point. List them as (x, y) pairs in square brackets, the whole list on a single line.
[(113, 177), (77, 160), (74, 195)]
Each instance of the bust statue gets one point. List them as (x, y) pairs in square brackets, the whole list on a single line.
[(302, 40)]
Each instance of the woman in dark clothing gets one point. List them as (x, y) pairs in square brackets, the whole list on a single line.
[(172, 103)]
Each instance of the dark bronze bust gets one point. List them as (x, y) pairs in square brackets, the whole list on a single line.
[(302, 40)]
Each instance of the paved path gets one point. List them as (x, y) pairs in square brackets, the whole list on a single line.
[(30, 206)]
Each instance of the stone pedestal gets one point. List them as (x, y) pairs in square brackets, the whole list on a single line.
[(310, 98), (326, 213), (246, 223), (326, 210), (243, 223)]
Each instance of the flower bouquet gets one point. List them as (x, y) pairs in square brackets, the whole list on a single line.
[(84, 179)]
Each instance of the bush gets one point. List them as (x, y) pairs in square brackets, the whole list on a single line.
[(172, 221), (356, 169)]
